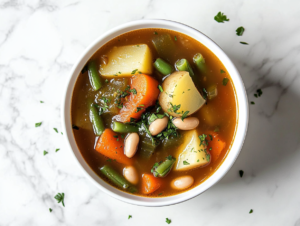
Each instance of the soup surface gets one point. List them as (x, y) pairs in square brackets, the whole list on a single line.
[(130, 89)]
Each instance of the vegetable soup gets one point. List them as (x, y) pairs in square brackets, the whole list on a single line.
[(154, 112)]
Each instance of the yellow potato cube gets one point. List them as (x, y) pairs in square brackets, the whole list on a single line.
[(125, 61)]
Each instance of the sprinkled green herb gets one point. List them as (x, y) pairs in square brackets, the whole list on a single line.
[(259, 93), (133, 91), (160, 88), (222, 71), (203, 140), (251, 211), (38, 124), (174, 108), (186, 163), (225, 81), (160, 194), (220, 17), (207, 158), (50, 210), (241, 172), (244, 43), (106, 80), (175, 38), (55, 130), (57, 150), (252, 103), (155, 33), (240, 31), (75, 127), (129, 217), (60, 197), (211, 137), (41, 101), (184, 115), (132, 119), (138, 109), (168, 221), (198, 160), (134, 71), (45, 152)]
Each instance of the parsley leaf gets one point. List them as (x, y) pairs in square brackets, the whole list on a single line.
[(225, 81), (207, 157), (55, 130), (244, 43), (174, 108), (75, 127), (133, 91), (241, 172), (184, 115), (175, 38), (60, 197), (106, 80), (57, 150), (203, 140), (186, 163), (211, 137), (252, 103), (251, 211), (222, 71), (45, 152), (160, 88), (155, 32), (38, 124), (50, 210), (41, 101), (129, 217), (168, 221), (134, 71), (240, 31), (220, 17)]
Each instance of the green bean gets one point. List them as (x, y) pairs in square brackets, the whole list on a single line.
[(165, 167), (200, 62), (124, 128), (162, 66), (96, 120), (183, 65), (94, 76)]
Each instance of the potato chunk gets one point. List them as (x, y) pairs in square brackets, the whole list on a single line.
[(124, 60), (180, 95), (192, 153)]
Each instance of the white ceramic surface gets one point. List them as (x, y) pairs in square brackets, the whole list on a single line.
[(40, 41), (242, 116)]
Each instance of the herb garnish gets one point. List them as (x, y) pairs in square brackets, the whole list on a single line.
[(259, 93), (251, 211), (203, 140), (175, 38), (106, 80), (184, 115), (241, 172), (55, 130), (168, 221), (75, 127), (160, 88), (252, 103), (207, 157), (174, 108), (38, 124), (139, 109), (57, 149), (129, 217), (50, 210), (60, 197), (186, 163), (225, 81), (133, 91), (222, 71), (240, 31), (211, 137), (244, 43), (41, 101), (45, 152), (134, 71), (155, 32), (220, 18)]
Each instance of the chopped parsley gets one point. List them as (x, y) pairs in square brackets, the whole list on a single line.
[(55, 130), (134, 71), (45, 152), (240, 31), (220, 17), (244, 43), (160, 194), (168, 221), (139, 109), (252, 103), (60, 197), (41, 101), (152, 118), (184, 115), (75, 127), (222, 71), (198, 160), (207, 157), (175, 38), (225, 81), (50, 210), (186, 163), (57, 149), (251, 211), (203, 140), (160, 88), (133, 91), (241, 172), (211, 137), (106, 80), (174, 108), (258, 93), (38, 124), (155, 33), (129, 217)]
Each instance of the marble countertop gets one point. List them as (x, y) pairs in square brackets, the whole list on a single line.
[(39, 43)]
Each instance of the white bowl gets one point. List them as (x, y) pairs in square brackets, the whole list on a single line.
[(242, 106)]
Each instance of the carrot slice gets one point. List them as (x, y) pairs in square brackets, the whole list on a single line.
[(149, 183), (111, 145), (216, 145), (146, 95)]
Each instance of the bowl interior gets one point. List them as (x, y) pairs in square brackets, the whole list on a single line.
[(242, 119)]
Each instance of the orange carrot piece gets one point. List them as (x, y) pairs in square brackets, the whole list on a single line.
[(150, 183), (112, 147), (147, 94), (217, 145)]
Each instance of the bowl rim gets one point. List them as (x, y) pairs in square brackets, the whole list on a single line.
[(242, 107)]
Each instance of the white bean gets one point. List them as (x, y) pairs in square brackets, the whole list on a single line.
[(130, 174), (158, 125), (187, 123), (183, 182), (131, 144)]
